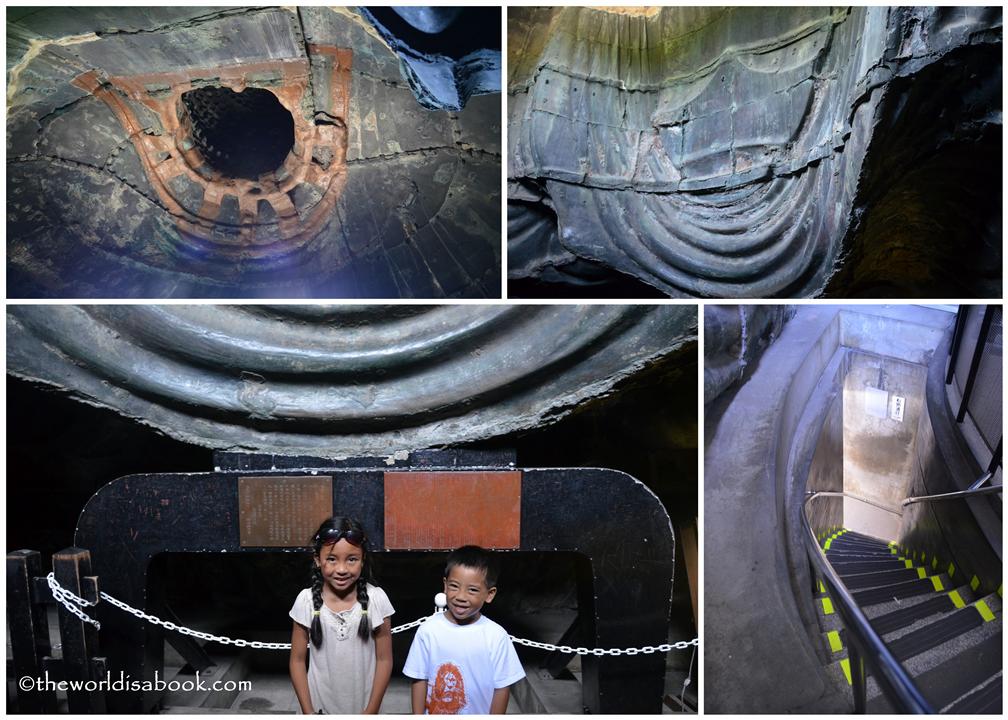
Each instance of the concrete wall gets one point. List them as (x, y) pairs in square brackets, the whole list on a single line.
[(826, 471), (904, 332), (759, 623), (879, 447)]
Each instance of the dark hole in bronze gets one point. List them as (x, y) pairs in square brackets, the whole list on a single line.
[(241, 135)]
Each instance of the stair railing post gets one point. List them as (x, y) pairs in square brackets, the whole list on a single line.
[(28, 630), (72, 569), (858, 683)]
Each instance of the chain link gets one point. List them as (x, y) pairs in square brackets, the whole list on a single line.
[(409, 626), (599, 652), (71, 603)]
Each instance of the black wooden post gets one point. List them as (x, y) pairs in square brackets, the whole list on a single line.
[(28, 630), (72, 568)]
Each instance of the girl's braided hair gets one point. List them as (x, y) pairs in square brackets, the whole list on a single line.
[(337, 526)]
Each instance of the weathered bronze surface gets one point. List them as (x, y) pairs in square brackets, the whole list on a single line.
[(738, 151), (282, 511), (339, 381)]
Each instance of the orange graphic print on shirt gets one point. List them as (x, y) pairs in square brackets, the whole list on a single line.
[(448, 695)]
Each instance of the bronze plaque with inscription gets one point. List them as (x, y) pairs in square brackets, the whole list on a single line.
[(443, 510), (282, 511)]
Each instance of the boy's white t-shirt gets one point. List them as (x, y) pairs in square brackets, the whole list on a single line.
[(462, 664), (341, 672)]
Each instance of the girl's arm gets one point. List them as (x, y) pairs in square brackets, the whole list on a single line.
[(499, 703), (298, 672), (383, 666)]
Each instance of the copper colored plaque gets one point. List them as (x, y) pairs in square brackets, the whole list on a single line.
[(282, 511), (443, 510)]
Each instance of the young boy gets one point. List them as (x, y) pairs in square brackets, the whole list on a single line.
[(461, 662)]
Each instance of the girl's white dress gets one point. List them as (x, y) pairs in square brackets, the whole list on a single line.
[(341, 672)]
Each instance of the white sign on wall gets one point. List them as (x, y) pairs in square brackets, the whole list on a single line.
[(896, 411), (876, 402)]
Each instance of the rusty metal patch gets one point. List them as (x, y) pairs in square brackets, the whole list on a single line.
[(282, 511), (267, 224), (443, 510)]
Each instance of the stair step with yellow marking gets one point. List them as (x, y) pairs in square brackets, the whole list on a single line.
[(855, 567), (944, 684), (872, 596), (905, 616), (860, 581), (935, 633)]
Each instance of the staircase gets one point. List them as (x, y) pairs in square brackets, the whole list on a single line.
[(942, 627)]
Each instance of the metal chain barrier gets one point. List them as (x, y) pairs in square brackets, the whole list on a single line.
[(74, 603), (71, 601), (599, 652)]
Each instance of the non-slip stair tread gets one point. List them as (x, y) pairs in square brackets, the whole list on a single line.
[(856, 567), (856, 534), (880, 609), (841, 542), (843, 559), (885, 594), (984, 700), (850, 535), (950, 682), (925, 614), (847, 553), (848, 541), (892, 576), (907, 616), (968, 669), (958, 648), (933, 634)]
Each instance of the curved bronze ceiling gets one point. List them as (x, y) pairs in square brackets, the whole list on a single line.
[(340, 380)]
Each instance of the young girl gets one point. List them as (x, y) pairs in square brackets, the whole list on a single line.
[(341, 625)]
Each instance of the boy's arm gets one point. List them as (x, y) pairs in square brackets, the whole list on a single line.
[(418, 697), (383, 666), (498, 706), (298, 672)]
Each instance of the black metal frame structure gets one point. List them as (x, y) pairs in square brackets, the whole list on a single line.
[(954, 350), (608, 517)]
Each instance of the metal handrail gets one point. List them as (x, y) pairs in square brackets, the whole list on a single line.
[(864, 643), (993, 489)]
